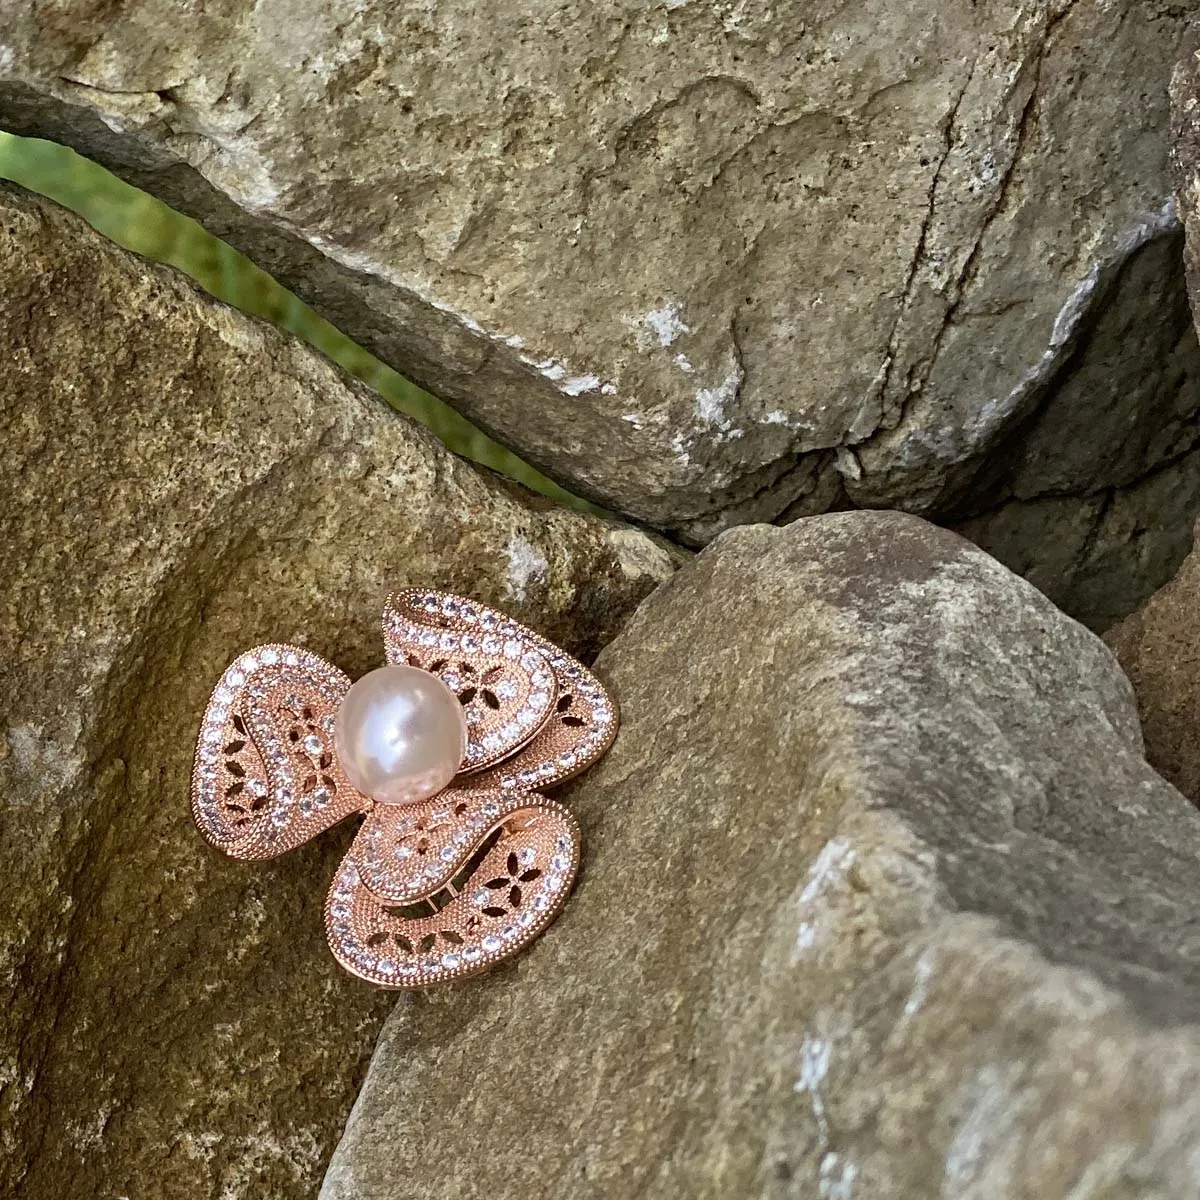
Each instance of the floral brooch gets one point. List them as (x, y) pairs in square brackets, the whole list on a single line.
[(460, 861)]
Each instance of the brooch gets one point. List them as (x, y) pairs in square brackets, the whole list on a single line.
[(460, 861)]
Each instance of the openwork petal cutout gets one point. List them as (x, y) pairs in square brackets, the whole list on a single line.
[(507, 893), (439, 889), (404, 852), (265, 778), (496, 668), (557, 739)]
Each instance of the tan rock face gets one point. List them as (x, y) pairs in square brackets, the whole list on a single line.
[(179, 483), (709, 263), (1159, 647), (879, 899)]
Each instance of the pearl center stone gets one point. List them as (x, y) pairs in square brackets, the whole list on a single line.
[(400, 735)]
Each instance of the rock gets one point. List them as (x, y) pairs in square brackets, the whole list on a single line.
[(707, 263), (1159, 647), (1185, 159), (879, 899), (181, 482)]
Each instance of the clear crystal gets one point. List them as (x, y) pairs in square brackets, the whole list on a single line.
[(506, 689), (527, 857), (481, 898), (450, 961), (313, 744), (491, 943)]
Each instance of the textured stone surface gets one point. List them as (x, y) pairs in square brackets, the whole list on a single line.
[(879, 899), (1159, 647), (180, 483), (710, 263)]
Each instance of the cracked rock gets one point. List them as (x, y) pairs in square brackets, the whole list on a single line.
[(879, 899), (705, 263), (181, 483)]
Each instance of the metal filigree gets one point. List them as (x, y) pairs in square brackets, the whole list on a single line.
[(433, 891)]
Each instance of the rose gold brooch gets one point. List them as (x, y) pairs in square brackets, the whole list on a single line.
[(460, 862)]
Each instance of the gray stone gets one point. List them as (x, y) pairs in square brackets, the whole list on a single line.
[(180, 483), (879, 899), (706, 263)]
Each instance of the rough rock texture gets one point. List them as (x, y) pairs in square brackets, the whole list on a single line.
[(708, 263), (179, 483), (1159, 647), (880, 899)]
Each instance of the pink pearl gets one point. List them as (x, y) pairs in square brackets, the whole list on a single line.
[(400, 735)]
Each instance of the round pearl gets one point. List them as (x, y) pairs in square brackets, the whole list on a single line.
[(400, 735)]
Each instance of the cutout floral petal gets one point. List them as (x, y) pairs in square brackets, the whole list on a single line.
[(404, 852), (457, 932), (265, 777), (497, 668)]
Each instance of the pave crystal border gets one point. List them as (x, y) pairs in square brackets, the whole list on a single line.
[(406, 852), (523, 713), (351, 909), (458, 614), (289, 818)]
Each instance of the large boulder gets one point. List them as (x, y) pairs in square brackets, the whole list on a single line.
[(707, 263), (180, 483), (879, 899)]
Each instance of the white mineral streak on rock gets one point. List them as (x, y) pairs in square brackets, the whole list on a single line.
[(660, 326), (922, 973), (526, 565), (835, 1178), (828, 869), (814, 1066)]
